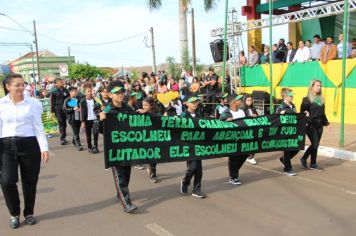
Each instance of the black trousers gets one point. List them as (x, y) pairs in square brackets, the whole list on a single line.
[(194, 169), (234, 165), (287, 157), (23, 152), (121, 176), (62, 123), (91, 127), (75, 125), (153, 169), (209, 107), (314, 135)]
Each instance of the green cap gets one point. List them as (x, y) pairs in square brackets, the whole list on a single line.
[(290, 94), (133, 94), (224, 95), (193, 99), (233, 97), (239, 97), (117, 89)]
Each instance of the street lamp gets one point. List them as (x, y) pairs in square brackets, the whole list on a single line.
[(16, 22), (27, 45), (35, 41)]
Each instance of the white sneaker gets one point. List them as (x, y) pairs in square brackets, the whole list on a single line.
[(235, 181), (140, 167), (252, 161)]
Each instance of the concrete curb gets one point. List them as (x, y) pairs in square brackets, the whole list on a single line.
[(336, 153)]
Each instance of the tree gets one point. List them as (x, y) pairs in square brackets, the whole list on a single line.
[(78, 71), (135, 75), (183, 27), (173, 68), (199, 68), (186, 61)]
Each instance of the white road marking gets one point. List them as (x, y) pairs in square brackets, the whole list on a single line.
[(155, 228), (309, 180)]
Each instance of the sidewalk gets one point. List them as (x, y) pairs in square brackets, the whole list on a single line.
[(332, 138), (329, 145)]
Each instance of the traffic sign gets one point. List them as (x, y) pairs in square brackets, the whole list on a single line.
[(63, 70)]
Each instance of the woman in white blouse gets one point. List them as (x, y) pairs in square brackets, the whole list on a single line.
[(23, 144)]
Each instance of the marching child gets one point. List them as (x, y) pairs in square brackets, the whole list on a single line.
[(287, 107), (90, 110), (233, 113), (71, 107), (131, 101), (219, 109), (121, 173), (150, 106), (250, 111), (194, 167), (104, 97)]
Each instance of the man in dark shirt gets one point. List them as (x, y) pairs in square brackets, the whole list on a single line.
[(277, 56), (58, 95), (211, 88), (282, 47), (290, 53)]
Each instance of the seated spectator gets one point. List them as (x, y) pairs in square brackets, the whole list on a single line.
[(195, 86), (316, 48), (308, 44), (162, 87), (289, 56), (303, 53), (353, 53), (282, 47), (329, 50), (276, 55), (353, 44), (252, 57), (340, 47), (243, 60), (172, 85), (264, 58)]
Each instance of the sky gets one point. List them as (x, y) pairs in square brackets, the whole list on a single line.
[(68, 23)]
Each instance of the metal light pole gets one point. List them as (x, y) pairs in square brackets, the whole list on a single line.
[(154, 66), (271, 109), (37, 56), (344, 51), (193, 44), (33, 34), (33, 69), (225, 48), (30, 47)]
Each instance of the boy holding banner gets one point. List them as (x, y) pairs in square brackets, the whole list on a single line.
[(233, 113), (194, 167), (287, 107), (121, 173), (71, 107)]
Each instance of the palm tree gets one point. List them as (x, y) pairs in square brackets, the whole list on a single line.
[(183, 27)]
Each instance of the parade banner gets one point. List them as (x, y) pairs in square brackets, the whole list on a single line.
[(131, 138), (50, 123)]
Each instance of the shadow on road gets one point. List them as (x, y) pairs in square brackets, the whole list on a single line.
[(48, 177), (78, 210)]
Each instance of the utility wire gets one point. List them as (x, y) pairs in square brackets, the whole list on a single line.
[(93, 44), (12, 29)]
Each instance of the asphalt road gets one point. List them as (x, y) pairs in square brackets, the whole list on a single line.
[(76, 196)]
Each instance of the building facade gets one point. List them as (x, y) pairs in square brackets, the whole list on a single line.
[(49, 65)]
